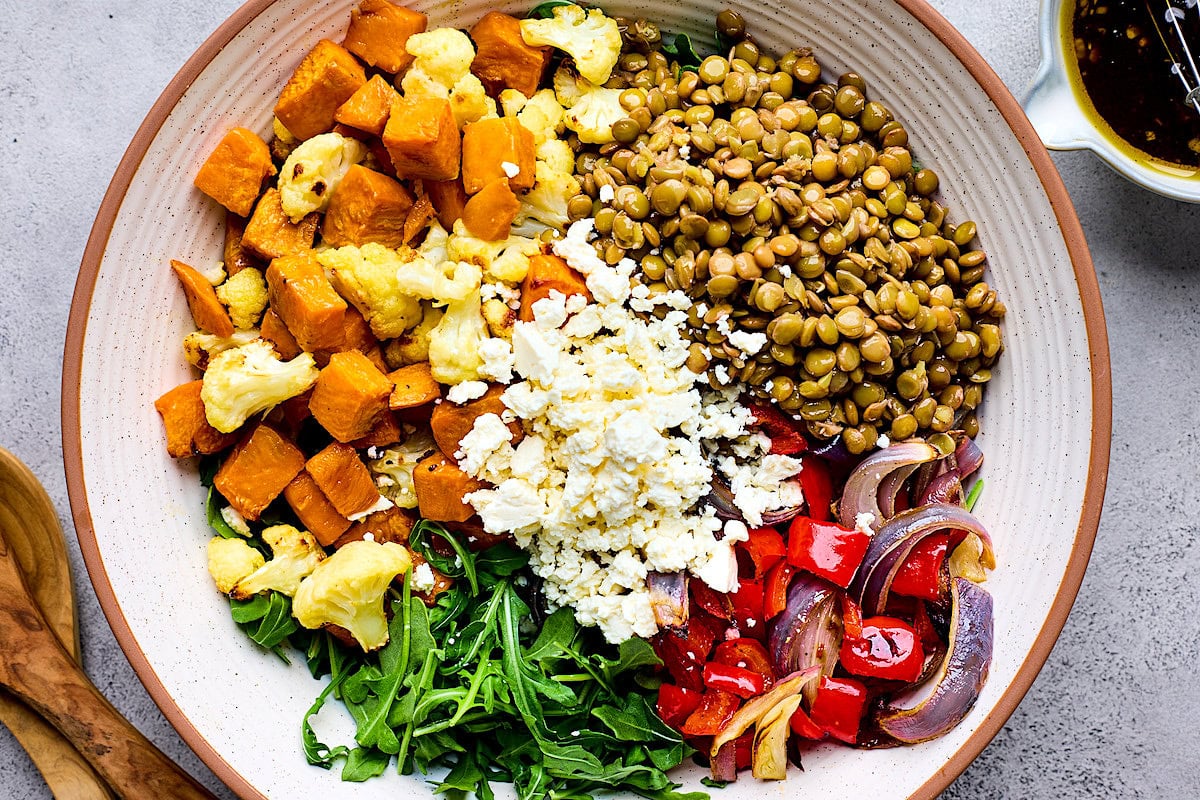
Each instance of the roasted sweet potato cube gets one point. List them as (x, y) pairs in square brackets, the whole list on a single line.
[(384, 432), (422, 139), (367, 206), (257, 471), (274, 331), (441, 486), (344, 479), (326, 78), (349, 395), (233, 173), (306, 301), (313, 508), (368, 108), (448, 198), (415, 386), (490, 212), (377, 33), (548, 273), (419, 217), (497, 148), (208, 312), (502, 58), (270, 233), (188, 431), (451, 422), (237, 257), (390, 525)]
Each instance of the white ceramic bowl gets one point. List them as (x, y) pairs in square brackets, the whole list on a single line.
[(139, 513), (1065, 118)]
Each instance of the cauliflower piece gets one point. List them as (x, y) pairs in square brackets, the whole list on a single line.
[(245, 380), (313, 170), (511, 102), (589, 37), (545, 205), (542, 114), (503, 260), (593, 114), (413, 347), (231, 560), (367, 276), (435, 244), (393, 470), (442, 68), (500, 318), (200, 347), (454, 343), (446, 282), (245, 295), (347, 590), (294, 554), (214, 274)]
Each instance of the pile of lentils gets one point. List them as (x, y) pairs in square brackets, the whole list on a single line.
[(792, 207)]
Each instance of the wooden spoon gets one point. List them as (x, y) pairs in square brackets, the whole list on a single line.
[(29, 523), (38, 669)]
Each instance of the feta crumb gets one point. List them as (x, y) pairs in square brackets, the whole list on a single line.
[(466, 391), (883, 441), (422, 578), (606, 193), (382, 504), (749, 342), (235, 520), (510, 169), (865, 522)]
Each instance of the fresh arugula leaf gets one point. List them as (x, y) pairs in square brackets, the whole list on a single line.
[(680, 47), (632, 654), (363, 763), (213, 504)]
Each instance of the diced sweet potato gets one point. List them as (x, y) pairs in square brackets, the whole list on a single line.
[(502, 58), (270, 233), (418, 217), (313, 508), (349, 395), (490, 212), (450, 422), (208, 312), (390, 525), (234, 171), (257, 471), (377, 33), (414, 386), (366, 206), (188, 431), (326, 78), (237, 258), (384, 432), (491, 149), (293, 412), (369, 107), (344, 479), (422, 139), (448, 198), (274, 331), (305, 300), (440, 486), (440, 582), (548, 273)]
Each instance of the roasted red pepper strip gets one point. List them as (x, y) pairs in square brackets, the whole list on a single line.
[(817, 485), (735, 680), (787, 439), (826, 549), (887, 648), (802, 725), (765, 548), (852, 619), (715, 709), (709, 599), (676, 704), (743, 750), (685, 655), (748, 608), (920, 574), (775, 588), (746, 653), (838, 707)]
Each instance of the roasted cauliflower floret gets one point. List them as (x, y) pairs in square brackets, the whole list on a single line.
[(545, 205), (294, 554), (393, 469), (313, 171), (589, 37), (245, 295), (367, 277), (593, 114), (413, 347), (347, 590), (442, 68), (231, 560), (542, 114), (245, 380), (454, 343), (200, 347), (443, 282), (500, 318), (503, 259)]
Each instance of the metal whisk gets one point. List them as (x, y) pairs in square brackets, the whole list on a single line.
[(1174, 39)]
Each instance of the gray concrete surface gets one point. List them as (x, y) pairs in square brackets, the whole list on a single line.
[(1112, 714)]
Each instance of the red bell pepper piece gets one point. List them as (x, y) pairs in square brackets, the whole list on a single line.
[(685, 656), (748, 608), (838, 707), (743, 750), (676, 704), (826, 549), (735, 680), (802, 725), (775, 588), (765, 548), (715, 709), (852, 619), (711, 600), (923, 625), (786, 436), (888, 648), (817, 485), (920, 574), (748, 654)]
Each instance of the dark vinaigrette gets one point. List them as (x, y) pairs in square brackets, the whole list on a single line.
[(1125, 65)]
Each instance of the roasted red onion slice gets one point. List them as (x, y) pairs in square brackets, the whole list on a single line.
[(668, 598), (968, 457), (961, 677), (723, 763), (945, 488), (889, 489), (895, 540), (861, 495), (808, 632)]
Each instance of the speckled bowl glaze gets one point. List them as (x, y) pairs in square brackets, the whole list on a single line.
[(139, 513)]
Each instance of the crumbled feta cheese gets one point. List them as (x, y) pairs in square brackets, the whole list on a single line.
[(883, 441), (498, 360), (488, 435), (865, 522), (762, 485), (510, 169), (606, 193), (466, 391), (748, 342), (382, 504), (235, 520), (422, 578)]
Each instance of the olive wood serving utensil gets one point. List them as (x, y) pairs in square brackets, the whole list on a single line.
[(29, 523), (35, 667)]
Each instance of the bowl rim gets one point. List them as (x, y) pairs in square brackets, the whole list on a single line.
[(919, 10)]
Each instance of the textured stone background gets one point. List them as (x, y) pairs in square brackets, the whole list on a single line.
[(1112, 714)]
